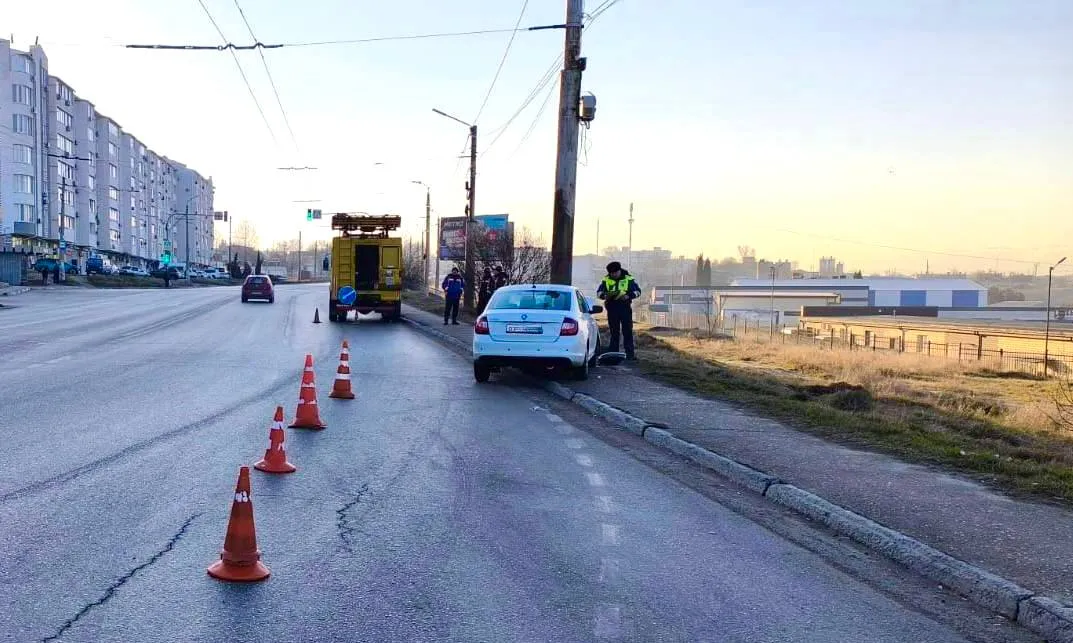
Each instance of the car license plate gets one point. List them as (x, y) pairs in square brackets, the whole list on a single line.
[(525, 330)]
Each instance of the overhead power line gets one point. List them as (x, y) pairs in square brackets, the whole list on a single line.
[(502, 61), (347, 41), (271, 81), (240, 71)]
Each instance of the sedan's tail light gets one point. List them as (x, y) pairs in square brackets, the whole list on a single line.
[(481, 327), (569, 328)]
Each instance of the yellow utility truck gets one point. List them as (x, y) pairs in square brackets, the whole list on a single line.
[(366, 267)]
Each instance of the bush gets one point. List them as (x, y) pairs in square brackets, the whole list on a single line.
[(854, 400)]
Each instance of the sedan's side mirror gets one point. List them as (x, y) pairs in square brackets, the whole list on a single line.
[(596, 310)]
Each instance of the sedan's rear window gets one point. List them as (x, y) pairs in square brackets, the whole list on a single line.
[(530, 300), (257, 280)]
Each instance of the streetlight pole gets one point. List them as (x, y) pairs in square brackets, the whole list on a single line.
[(471, 188), (1047, 331), (562, 236), (771, 321), (428, 229)]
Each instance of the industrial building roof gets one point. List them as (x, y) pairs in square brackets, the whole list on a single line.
[(875, 283)]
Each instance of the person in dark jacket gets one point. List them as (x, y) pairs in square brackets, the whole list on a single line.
[(487, 287), (501, 278), (453, 287), (618, 289)]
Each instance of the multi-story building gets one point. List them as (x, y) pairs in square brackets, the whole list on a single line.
[(71, 177), (23, 172)]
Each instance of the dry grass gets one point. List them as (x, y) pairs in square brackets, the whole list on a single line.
[(999, 427)]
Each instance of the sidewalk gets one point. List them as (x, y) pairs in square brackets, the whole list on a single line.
[(1026, 542)]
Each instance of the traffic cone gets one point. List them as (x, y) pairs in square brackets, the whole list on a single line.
[(240, 559), (275, 460), (308, 415), (316, 316), (341, 387)]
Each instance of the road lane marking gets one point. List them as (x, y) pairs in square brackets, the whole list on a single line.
[(609, 535), (609, 570), (595, 479), (604, 504), (608, 621), (583, 459), (553, 418), (564, 429), (575, 443)]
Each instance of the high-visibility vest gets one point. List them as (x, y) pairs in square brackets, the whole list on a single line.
[(617, 286)]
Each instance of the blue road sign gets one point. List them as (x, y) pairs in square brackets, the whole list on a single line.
[(347, 295)]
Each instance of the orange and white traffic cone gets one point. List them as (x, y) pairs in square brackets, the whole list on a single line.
[(275, 460), (308, 414), (341, 387), (240, 559)]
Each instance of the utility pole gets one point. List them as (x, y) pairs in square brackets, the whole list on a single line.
[(1047, 332), (771, 321), (439, 227), (299, 255), (562, 238), (61, 254), (186, 220), (597, 236), (428, 230), (471, 189), (629, 247)]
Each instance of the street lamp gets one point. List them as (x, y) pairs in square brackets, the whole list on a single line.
[(1047, 331), (771, 320), (471, 189), (428, 228)]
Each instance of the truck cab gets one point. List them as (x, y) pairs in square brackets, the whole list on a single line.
[(366, 267)]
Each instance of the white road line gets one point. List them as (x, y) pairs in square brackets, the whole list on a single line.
[(552, 417), (610, 569), (564, 429), (595, 479), (604, 504), (609, 535), (575, 443), (583, 459), (608, 621)]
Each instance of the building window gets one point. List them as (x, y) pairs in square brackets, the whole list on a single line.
[(24, 154), (92, 207), (22, 124), (91, 182), (24, 184), (24, 212), (132, 183), (65, 144), (113, 235), (22, 94), (113, 172), (113, 150), (133, 223), (66, 197), (23, 64), (91, 134), (67, 223), (65, 119), (64, 93), (65, 171), (152, 229), (113, 215), (132, 203), (113, 193)]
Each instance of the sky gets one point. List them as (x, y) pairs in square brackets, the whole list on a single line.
[(893, 134)]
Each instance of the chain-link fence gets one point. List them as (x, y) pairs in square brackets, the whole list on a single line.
[(754, 329)]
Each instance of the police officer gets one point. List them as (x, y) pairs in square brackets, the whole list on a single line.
[(618, 289)]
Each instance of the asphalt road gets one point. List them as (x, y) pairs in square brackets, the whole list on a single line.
[(431, 509)]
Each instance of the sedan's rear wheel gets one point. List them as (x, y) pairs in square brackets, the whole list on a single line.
[(580, 373), (481, 372)]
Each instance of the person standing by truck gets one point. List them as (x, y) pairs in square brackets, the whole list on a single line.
[(618, 289), (453, 286)]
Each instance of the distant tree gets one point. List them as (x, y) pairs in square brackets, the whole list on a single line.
[(700, 271), (413, 265), (858, 275), (708, 272), (997, 294), (257, 266), (525, 258)]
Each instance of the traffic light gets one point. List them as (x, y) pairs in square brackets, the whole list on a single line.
[(309, 214), (165, 258)]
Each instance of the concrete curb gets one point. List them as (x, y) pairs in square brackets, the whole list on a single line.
[(1040, 614), (13, 290)]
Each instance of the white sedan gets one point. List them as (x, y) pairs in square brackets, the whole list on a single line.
[(538, 327)]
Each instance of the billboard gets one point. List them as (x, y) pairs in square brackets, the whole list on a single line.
[(453, 233)]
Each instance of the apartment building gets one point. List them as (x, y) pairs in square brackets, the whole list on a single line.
[(72, 178)]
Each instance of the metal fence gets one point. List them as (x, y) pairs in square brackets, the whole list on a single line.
[(759, 331)]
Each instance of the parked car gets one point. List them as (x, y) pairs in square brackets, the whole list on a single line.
[(172, 272), (100, 265), (215, 273), (258, 287), (536, 327), (134, 271)]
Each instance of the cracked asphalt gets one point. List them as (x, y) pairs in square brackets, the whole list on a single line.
[(430, 509)]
